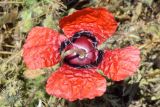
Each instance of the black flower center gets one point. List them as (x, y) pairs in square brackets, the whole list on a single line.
[(82, 50)]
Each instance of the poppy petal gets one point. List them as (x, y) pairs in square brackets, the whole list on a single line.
[(41, 48), (120, 63), (99, 21), (73, 84)]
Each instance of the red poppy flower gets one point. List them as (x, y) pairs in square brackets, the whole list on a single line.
[(77, 78)]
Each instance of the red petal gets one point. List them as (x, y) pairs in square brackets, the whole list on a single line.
[(72, 84), (41, 48), (99, 21), (120, 63)]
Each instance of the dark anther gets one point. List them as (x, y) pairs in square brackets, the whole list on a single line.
[(84, 47)]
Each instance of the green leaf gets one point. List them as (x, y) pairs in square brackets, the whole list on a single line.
[(26, 25), (26, 14), (153, 28), (30, 2), (148, 2), (48, 22), (37, 11)]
